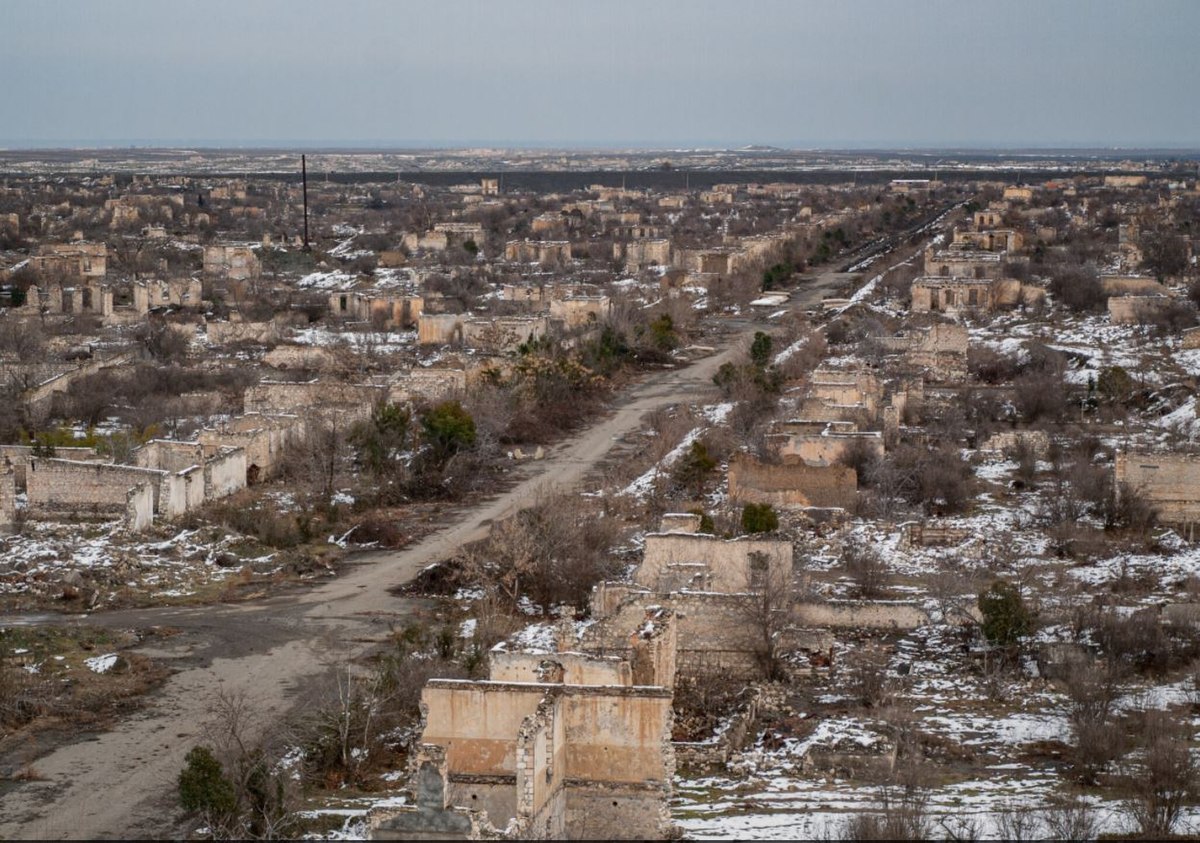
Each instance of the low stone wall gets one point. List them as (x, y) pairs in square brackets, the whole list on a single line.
[(61, 488), (18, 457), (739, 730), (860, 615)]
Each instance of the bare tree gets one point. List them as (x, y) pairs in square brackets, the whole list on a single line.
[(1070, 819), (767, 614), (1163, 780)]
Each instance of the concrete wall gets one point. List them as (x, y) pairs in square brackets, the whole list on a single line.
[(830, 486), (725, 565)]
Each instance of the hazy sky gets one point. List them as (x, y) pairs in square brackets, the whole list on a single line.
[(590, 72)]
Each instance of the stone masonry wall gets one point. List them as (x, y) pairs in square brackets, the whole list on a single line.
[(831, 486)]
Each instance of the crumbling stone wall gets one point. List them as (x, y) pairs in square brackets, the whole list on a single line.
[(963, 264), (568, 668), (225, 333), (1170, 482), (62, 488), (427, 384), (715, 633), (1009, 442), (1131, 285), (797, 484), (224, 473), (8, 496), (235, 263), (822, 449), (288, 397), (18, 457), (139, 507), (846, 388), (1135, 310), (265, 439), (641, 254), (168, 455), (40, 396), (725, 566), (579, 311), (501, 738), (182, 292)]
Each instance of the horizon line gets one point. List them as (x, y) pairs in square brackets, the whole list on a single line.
[(114, 144)]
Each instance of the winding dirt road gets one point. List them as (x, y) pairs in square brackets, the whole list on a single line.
[(121, 783)]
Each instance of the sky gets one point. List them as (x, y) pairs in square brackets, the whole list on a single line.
[(597, 73)]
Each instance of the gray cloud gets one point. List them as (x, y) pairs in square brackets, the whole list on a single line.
[(827, 72)]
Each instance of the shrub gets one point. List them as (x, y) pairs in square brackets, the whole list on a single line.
[(760, 349), (204, 788), (448, 429), (694, 469), (1078, 288), (759, 518), (1006, 618)]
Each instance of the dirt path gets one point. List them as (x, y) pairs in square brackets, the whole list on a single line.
[(122, 783)]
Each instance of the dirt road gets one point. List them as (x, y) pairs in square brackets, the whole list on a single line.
[(122, 782)]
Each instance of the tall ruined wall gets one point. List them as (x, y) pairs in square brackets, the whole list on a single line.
[(1170, 482), (578, 312), (181, 492), (168, 455), (139, 507), (8, 497), (793, 484), (224, 473)]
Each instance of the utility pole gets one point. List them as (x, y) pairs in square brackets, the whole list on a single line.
[(304, 181)]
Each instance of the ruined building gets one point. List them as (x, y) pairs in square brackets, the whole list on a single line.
[(558, 745)]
